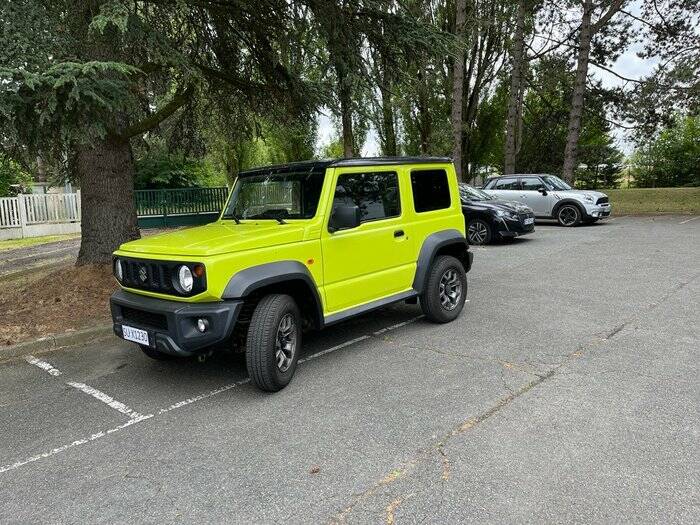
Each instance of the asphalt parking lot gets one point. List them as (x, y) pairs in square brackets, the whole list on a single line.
[(568, 391)]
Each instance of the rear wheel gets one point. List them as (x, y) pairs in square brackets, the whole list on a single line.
[(156, 354), (479, 232), (445, 290), (274, 342), (569, 215)]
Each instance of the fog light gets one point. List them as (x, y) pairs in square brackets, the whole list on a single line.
[(202, 325)]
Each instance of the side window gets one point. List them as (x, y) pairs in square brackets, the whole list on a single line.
[(376, 194), (509, 183), (431, 190), (532, 183)]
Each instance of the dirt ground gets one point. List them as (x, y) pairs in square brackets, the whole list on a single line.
[(53, 301)]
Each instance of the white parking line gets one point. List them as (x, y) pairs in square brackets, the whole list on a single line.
[(691, 219), (138, 418), (68, 446), (107, 400), (43, 365)]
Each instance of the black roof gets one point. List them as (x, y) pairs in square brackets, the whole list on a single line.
[(321, 165)]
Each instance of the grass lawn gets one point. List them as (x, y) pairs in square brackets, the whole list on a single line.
[(655, 200), (13, 244)]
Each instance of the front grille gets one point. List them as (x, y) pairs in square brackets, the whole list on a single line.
[(156, 276), (148, 275), (524, 216), (143, 318), (602, 200)]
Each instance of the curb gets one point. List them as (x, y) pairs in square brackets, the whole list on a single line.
[(55, 342)]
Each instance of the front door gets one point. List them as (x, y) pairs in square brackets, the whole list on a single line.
[(531, 195), (375, 259)]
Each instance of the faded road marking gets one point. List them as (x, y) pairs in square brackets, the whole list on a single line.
[(107, 400), (47, 367), (74, 444), (137, 418), (691, 219)]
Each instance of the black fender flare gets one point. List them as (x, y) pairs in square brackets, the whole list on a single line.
[(576, 203), (434, 243), (242, 284)]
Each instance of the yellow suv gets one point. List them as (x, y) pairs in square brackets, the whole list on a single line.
[(297, 246)]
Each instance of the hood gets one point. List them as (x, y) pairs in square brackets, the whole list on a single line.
[(512, 206), (217, 238), (595, 194)]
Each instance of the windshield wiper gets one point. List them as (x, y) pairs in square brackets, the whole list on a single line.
[(232, 216)]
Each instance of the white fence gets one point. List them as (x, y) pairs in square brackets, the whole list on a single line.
[(42, 214)]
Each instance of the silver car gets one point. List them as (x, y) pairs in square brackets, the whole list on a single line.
[(551, 198)]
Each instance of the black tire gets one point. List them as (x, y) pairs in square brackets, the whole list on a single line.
[(431, 300), (262, 342), (156, 354), (568, 215), (479, 232)]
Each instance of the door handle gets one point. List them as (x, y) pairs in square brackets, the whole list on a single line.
[(398, 233)]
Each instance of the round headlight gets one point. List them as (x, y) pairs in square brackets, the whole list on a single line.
[(184, 276), (118, 270)]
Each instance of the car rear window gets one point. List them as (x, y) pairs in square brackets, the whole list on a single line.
[(506, 184), (431, 190)]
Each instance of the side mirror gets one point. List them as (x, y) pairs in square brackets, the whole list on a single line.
[(344, 218), (543, 191)]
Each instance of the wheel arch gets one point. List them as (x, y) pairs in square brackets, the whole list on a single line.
[(563, 202), (284, 277), (445, 242)]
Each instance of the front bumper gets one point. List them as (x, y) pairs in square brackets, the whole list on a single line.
[(598, 211), (172, 325), (508, 227)]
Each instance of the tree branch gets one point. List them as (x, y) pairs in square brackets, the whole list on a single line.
[(151, 121), (615, 6)]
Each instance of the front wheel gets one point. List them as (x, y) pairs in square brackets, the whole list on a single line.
[(569, 215), (479, 232), (274, 342), (445, 290)]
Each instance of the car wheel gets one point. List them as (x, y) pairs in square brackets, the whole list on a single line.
[(479, 232), (569, 215), (156, 354), (274, 342), (445, 290)]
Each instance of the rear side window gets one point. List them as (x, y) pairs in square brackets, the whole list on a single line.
[(430, 190), (506, 184), (376, 194)]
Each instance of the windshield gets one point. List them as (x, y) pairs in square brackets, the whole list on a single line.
[(555, 183), (472, 194), (275, 196)]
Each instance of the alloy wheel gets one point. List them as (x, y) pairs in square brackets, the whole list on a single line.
[(450, 289), (477, 233), (286, 342), (568, 216)]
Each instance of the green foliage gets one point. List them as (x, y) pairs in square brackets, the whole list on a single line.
[(162, 170), (12, 177), (673, 159)]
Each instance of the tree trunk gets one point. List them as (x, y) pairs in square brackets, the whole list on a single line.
[(458, 87), (108, 208), (424, 118), (516, 84), (345, 96), (576, 111), (389, 146)]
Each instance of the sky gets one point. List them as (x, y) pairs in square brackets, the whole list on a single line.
[(628, 65)]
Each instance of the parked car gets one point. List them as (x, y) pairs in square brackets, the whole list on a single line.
[(551, 198), (488, 218), (297, 245)]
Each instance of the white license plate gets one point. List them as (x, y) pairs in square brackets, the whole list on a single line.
[(529, 220), (135, 335)]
